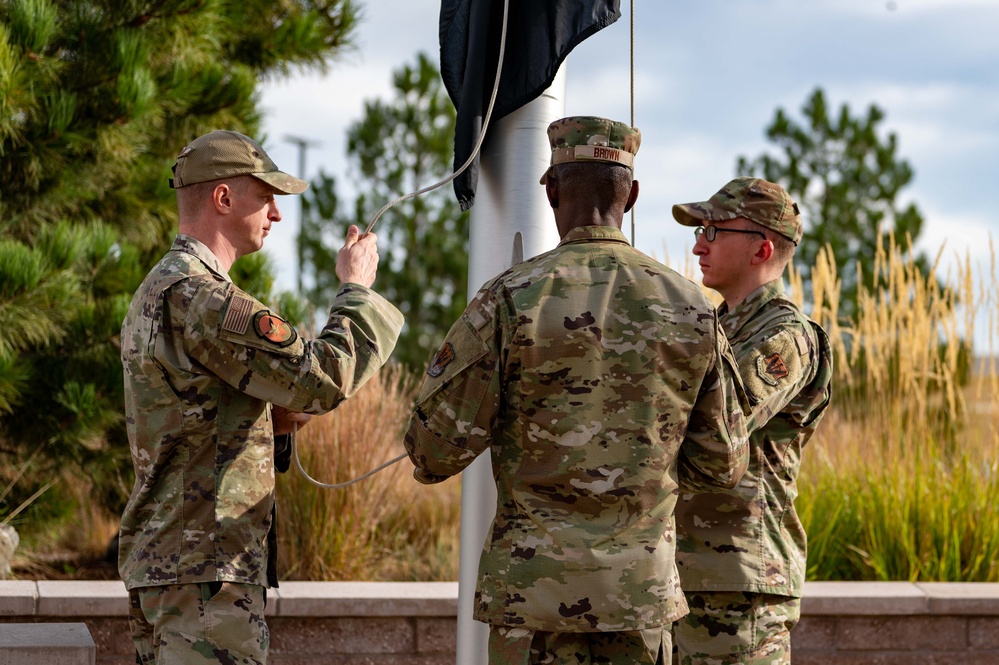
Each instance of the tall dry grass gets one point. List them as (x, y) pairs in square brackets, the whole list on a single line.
[(386, 527), (900, 480), (898, 483)]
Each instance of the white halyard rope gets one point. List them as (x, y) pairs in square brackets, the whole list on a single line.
[(468, 162)]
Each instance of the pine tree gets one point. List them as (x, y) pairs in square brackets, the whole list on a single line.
[(96, 99), (846, 179)]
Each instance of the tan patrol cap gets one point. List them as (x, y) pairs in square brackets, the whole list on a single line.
[(585, 138), (225, 154), (758, 200)]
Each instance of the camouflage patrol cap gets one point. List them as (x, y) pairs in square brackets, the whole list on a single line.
[(755, 199), (585, 138), (225, 154)]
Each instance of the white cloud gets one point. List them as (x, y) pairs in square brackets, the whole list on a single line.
[(901, 7), (963, 238), (924, 114)]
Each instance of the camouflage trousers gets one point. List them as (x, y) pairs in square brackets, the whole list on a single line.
[(735, 628), (519, 646), (199, 624)]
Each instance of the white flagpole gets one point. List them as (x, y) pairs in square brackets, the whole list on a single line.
[(511, 221)]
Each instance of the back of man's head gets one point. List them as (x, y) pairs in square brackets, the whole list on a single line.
[(591, 139), (593, 161), (598, 185)]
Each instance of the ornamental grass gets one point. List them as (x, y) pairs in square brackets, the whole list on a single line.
[(899, 482), (386, 527)]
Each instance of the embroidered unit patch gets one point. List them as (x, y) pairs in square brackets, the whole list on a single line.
[(238, 316), (772, 368), (274, 329), (442, 359)]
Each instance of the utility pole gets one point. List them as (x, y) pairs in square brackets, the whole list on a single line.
[(303, 145)]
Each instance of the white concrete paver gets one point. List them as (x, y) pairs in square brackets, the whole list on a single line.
[(18, 598), (46, 644), (367, 599), (863, 598), (82, 598), (968, 598)]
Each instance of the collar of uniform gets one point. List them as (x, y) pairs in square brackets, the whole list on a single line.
[(732, 321), (586, 233), (186, 243)]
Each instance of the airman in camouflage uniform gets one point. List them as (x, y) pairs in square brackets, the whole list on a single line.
[(593, 374), (741, 551), (210, 376)]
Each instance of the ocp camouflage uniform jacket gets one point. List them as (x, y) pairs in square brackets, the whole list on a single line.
[(591, 372), (203, 361), (749, 538)]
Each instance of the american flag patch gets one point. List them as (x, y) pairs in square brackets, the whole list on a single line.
[(238, 317)]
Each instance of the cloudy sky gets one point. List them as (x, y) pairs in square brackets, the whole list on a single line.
[(710, 75)]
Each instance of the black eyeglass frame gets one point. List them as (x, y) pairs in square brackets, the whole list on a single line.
[(711, 232)]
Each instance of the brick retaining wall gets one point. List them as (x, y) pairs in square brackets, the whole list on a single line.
[(413, 623)]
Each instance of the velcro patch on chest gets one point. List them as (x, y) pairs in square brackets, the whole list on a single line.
[(274, 329), (441, 359), (237, 317)]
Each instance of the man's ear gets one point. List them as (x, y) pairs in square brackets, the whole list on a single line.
[(764, 253), (222, 198), (632, 196), (551, 190)]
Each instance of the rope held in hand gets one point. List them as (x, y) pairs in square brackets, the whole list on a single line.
[(468, 162), (332, 486), (482, 134)]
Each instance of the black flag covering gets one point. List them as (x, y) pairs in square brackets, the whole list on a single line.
[(541, 33)]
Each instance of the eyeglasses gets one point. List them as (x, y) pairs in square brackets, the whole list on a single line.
[(711, 232)]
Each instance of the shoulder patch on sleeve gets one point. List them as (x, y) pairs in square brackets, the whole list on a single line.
[(274, 329), (441, 359), (771, 368), (237, 318), (773, 365)]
